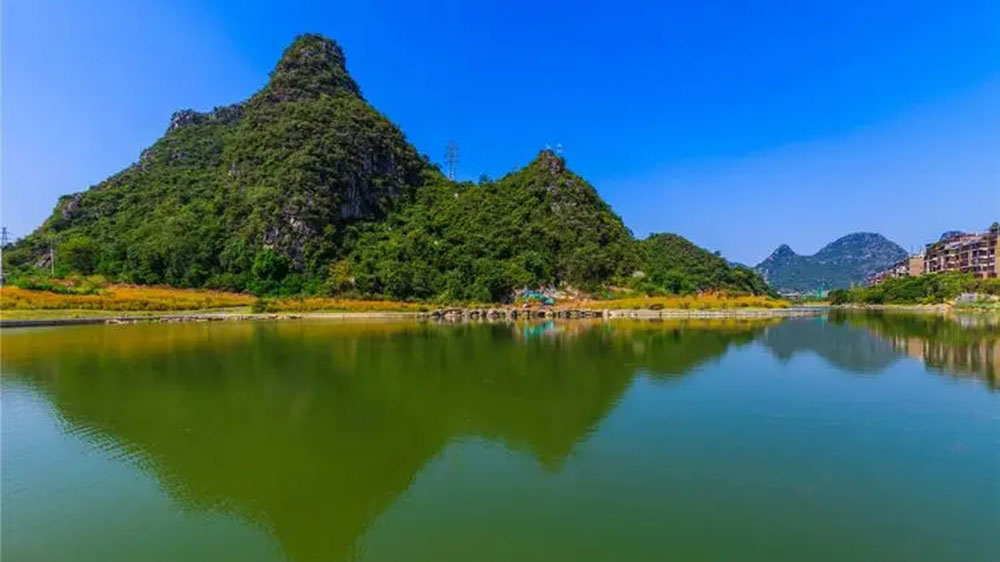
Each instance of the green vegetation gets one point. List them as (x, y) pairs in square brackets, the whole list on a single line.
[(254, 196), (71, 284), (540, 225), (925, 289), (938, 328), (673, 264), (305, 189)]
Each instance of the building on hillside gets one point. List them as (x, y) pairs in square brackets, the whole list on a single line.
[(966, 253), (912, 266), (915, 265)]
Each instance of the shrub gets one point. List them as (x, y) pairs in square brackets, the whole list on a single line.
[(925, 289)]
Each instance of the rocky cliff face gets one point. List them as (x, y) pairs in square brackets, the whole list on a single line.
[(848, 260)]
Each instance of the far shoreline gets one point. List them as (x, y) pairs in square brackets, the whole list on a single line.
[(940, 308), (441, 315)]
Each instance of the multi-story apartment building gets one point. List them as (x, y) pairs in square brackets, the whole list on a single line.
[(910, 267), (916, 265), (967, 253)]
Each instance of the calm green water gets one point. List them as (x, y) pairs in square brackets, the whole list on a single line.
[(848, 438)]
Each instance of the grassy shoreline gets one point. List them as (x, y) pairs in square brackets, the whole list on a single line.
[(130, 302), (941, 308)]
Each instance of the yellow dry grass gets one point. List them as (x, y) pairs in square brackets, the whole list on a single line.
[(123, 298), (132, 298), (342, 305)]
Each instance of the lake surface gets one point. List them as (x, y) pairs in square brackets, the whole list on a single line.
[(853, 437)]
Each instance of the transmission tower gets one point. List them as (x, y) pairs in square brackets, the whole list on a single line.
[(451, 158), (3, 244)]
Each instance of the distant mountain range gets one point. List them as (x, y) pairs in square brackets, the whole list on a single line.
[(847, 260)]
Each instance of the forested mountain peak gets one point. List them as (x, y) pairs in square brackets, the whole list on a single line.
[(568, 195), (312, 65), (679, 265), (243, 196), (781, 252), (858, 246), (548, 160)]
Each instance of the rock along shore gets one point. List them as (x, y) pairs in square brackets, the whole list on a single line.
[(439, 315), (458, 314)]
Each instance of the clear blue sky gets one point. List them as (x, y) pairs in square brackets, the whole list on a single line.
[(741, 125)]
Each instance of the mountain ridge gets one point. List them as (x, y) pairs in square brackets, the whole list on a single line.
[(848, 260)]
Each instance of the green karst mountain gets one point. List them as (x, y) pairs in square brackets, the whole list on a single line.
[(674, 263), (244, 194), (542, 223), (306, 188), (848, 260)]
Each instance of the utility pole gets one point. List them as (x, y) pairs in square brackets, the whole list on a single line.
[(52, 258), (451, 158), (3, 244)]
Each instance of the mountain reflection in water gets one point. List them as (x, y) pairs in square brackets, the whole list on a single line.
[(869, 342), (311, 430)]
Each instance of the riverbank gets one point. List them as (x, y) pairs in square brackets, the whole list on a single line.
[(439, 315), (922, 308), (116, 304), (513, 313), (943, 308)]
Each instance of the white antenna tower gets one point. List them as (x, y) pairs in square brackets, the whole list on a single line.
[(451, 158)]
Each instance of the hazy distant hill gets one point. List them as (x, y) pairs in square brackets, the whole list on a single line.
[(845, 261)]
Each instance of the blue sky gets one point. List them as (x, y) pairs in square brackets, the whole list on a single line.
[(741, 125)]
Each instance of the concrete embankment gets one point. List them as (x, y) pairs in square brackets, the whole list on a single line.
[(933, 308), (564, 313), (164, 318), (443, 315), (209, 317)]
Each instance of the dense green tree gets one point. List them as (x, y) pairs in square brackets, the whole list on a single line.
[(79, 254), (674, 264), (924, 289)]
